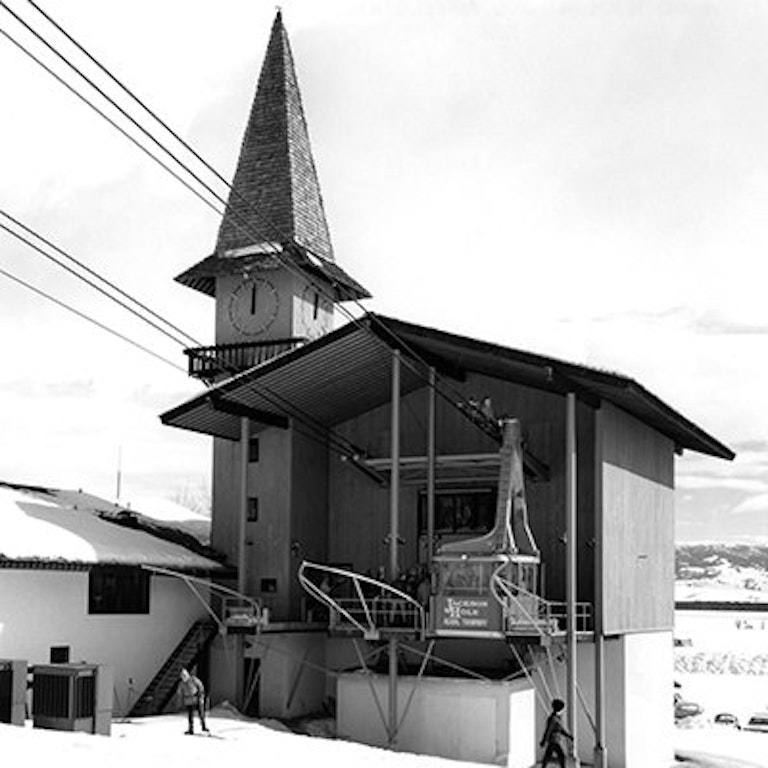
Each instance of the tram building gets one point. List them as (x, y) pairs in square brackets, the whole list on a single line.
[(432, 534)]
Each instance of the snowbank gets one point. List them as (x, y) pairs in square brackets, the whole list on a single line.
[(160, 741)]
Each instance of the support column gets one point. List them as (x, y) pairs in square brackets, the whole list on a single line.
[(242, 581), (571, 570), (393, 714), (601, 753), (394, 486), (394, 534), (431, 439), (242, 504)]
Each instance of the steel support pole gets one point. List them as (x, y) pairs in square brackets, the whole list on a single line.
[(601, 754), (571, 569), (393, 714), (242, 504), (394, 535), (431, 440), (242, 581), (394, 486)]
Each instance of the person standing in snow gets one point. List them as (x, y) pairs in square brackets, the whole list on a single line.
[(554, 734), (193, 697)]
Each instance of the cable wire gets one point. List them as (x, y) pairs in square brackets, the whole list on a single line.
[(90, 319), (98, 276), (290, 266), (87, 281)]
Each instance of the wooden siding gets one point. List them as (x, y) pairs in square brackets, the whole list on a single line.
[(359, 508), (637, 524), (268, 539), (309, 512)]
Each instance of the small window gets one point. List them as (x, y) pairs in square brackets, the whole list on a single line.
[(253, 450), (253, 509), (316, 306), (59, 654), (118, 589), (269, 586)]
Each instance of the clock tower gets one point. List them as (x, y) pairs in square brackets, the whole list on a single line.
[(275, 281), (273, 273)]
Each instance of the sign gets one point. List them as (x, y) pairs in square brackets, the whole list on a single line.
[(469, 614)]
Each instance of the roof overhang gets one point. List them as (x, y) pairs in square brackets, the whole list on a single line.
[(349, 372), (202, 276)]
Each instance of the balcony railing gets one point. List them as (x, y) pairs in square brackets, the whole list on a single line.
[(228, 359)]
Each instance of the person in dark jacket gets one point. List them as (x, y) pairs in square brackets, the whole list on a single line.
[(553, 736), (193, 698)]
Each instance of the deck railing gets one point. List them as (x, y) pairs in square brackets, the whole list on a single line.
[(525, 610), (209, 362), (368, 606)]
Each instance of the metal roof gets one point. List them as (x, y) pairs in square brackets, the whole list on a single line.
[(348, 372)]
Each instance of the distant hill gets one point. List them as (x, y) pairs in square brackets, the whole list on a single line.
[(721, 572)]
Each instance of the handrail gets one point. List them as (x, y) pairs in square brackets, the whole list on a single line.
[(547, 612), (369, 629), (227, 594)]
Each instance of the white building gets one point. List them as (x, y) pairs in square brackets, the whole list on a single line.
[(74, 586)]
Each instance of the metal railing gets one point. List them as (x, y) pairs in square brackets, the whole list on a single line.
[(524, 610), (241, 612), (370, 606), (209, 362)]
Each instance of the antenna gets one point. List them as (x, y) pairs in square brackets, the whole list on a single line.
[(119, 469)]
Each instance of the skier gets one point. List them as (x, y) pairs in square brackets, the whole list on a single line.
[(193, 698)]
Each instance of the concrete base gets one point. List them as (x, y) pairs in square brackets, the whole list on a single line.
[(475, 720)]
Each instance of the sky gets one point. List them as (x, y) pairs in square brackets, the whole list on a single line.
[(581, 179)]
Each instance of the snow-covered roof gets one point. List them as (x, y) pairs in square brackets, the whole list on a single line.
[(51, 527)]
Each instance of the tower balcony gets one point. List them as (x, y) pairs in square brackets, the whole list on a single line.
[(208, 363)]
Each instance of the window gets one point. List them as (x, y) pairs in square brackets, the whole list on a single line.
[(269, 585), (253, 450), (253, 509), (316, 306), (59, 654), (118, 589), (460, 510)]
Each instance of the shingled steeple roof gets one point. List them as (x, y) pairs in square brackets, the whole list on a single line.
[(275, 200), (275, 188)]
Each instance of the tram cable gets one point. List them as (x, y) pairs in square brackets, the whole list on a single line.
[(453, 398), (87, 280), (342, 448), (88, 318)]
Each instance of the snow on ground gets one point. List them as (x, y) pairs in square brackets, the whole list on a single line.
[(726, 743), (161, 741), (725, 589), (736, 638)]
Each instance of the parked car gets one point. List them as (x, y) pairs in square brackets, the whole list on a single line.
[(685, 709), (727, 719), (758, 722)]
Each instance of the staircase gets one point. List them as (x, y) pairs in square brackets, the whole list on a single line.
[(160, 691)]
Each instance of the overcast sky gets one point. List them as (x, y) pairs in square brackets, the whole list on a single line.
[(582, 179)]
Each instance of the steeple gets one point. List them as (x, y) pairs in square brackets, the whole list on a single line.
[(275, 189), (275, 201)]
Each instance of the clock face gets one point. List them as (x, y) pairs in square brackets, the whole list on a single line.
[(316, 312), (253, 306)]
